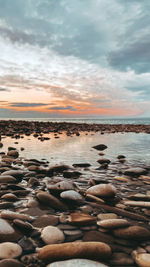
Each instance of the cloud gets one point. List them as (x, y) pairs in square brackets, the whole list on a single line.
[(27, 104), (63, 108)]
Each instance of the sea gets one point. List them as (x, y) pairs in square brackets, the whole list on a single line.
[(79, 149)]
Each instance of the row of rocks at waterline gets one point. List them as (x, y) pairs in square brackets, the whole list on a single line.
[(17, 129), (50, 214)]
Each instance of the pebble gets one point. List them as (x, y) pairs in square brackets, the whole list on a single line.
[(7, 214), (7, 179), (113, 223), (71, 195), (80, 219), (6, 229), (143, 260), (61, 186), (133, 232), (135, 171), (52, 235), (11, 263), (102, 190), (46, 220), (9, 250), (105, 216), (89, 250), (77, 262), (50, 200), (100, 147)]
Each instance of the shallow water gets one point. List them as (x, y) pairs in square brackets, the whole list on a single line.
[(77, 149)]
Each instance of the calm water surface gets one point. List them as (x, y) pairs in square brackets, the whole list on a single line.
[(77, 149)]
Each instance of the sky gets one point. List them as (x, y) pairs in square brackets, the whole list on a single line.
[(74, 58)]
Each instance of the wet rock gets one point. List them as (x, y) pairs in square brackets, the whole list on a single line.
[(135, 172), (71, 174), (143, 204), (80, 219), (9, 197), (13, 153), (27, 245), (106, 216), (11, 263), (88, 250), (52, 235), (11, 215), (57, 169), (82, 165), (24, 227), (45, 220), (100, 147), (121, 259), (49, 200), (121, 157), (103, 161), (133, 232), (96, 236), (6, 231), (1, 145), (9, 250), (7, 179), (71, 195), (61, 186), (102, 190), (18, 174), (143, 259), (113, 223), (77, 262)]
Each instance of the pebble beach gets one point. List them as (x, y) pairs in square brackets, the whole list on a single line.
[(77, 213)]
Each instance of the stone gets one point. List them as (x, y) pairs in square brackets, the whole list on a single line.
[(45, 220), (57, 169), (135, 172), (113, 223), (9, 197), (80, 219), (11, 263), (52, 235), (61, 186), (11, 215), (132, 232), (7, 179), (49, 200), (9, 250), (13, 153), (6, 230), (71, 195), (106, 216), (100, 147), (88, 250), (103, 161), (96, 236), (143, 259), (102, 190), (71, 174), (82, 165), (18, 174), (121, 259), (77, 262), (143, 204)]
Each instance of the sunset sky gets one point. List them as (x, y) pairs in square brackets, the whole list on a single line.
[(74, 58)]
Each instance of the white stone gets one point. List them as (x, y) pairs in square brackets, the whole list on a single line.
[(77, 262), (52, 235), (9, 250), (72, 195)]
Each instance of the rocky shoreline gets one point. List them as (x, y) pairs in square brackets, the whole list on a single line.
[(58, 216)]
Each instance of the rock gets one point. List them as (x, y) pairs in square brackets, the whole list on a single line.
[(81, 165), (45, 220), (27, 244), (80, 219), (6, 230), (52, 235), (113, 223), (9, 250), (96, 236), (100, 147), (143, 204), (13, 153), (103, 161), (7, 179), (1, 145), (71, 174), (11, 263), (121, 157), (143, 259), (135, 172), (121, 259), (71, 195), (15, 173), (106, 216), (57, 169), (61, 186), (87, 250), (9, 197), (7, 214), (133, 232), (49, 200), (102, 190), (77, 262), (23, 226)]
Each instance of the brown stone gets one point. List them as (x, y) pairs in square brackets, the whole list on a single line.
[(133, 232), (79, 218)]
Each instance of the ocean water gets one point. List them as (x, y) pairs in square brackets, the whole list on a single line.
[(90, 120), (77, 149)]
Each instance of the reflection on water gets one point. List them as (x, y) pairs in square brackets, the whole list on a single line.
[(75, 149)]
